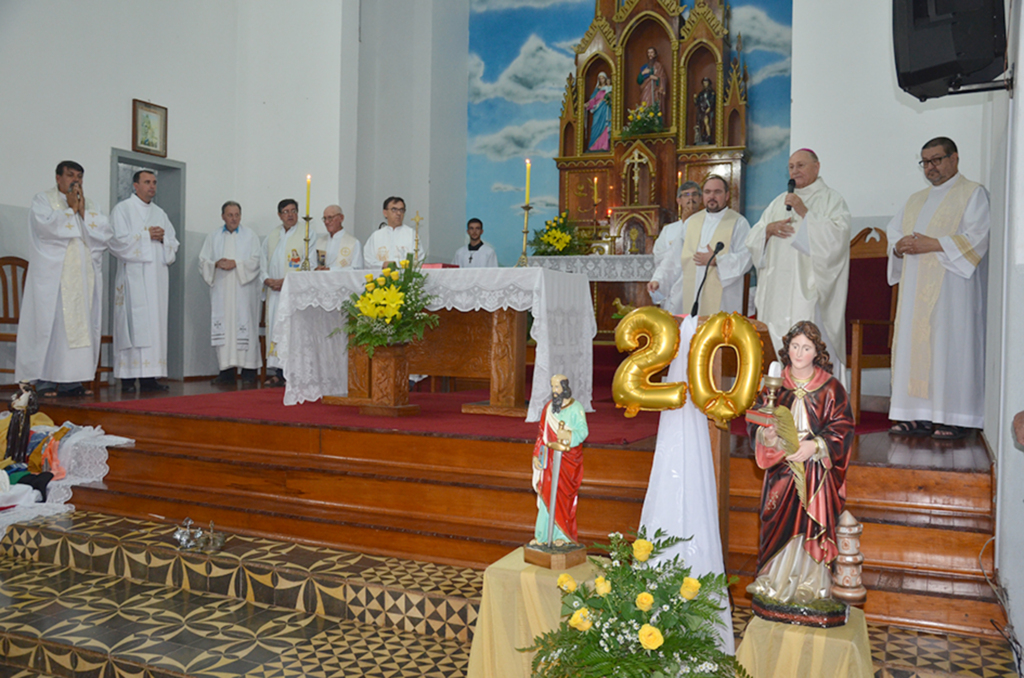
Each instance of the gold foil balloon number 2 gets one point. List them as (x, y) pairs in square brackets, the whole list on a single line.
[(633, 389)]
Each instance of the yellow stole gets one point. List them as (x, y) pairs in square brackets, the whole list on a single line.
[(930, 274), (711, 296)]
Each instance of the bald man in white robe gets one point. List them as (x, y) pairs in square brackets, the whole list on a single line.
[(339, 249)]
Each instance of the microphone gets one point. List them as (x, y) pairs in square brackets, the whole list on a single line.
[(790, 188), (719, 246)]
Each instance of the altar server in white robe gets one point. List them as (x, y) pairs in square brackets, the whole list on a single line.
[(939, 256), (691, 255), (283, 251), (145, 245), (58, 343), (393, 240), (338, 249), (477, 254), (801, 249), (688, 201), (230, 264)]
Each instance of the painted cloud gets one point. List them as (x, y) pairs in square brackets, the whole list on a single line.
[(538, 73)]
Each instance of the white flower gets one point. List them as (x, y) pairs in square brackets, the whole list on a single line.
[(665, 607), (575, 603)]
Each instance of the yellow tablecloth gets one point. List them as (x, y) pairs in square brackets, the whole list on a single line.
[(520, 601), (775, 650)]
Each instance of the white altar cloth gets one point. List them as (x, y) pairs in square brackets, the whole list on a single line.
[(563, 325), (602, 267)]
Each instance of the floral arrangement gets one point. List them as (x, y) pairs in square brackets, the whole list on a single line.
[(639, 620), (391, 308), (558, 237), (643, 119)]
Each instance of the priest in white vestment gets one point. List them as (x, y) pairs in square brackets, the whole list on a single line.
[(145, 245), (393, 240), (801, 249), (477, 254), (337, 249), (683, 269), (688, 200), (283, 252), (58, 343), (230, 264), (938, 247)]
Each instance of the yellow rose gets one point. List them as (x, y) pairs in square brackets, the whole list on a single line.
[(689, 588), (642, 549), (602, 586), (651, 637), (381, 280), (386, 270), (580, 620), (566, 582), (395, 275), (404, 263), (370, 286), (644, 601)]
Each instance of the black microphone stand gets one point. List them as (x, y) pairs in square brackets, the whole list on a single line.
[(707, 267)]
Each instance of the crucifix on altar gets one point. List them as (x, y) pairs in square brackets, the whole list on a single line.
[(417, 219)]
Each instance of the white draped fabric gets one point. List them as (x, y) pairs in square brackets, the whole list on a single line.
[(563, 325), (234, 296), (389, 244), (485, 257), (602, 268), (957, 377), (141, 288), (681, 496), (667, 238), (283, 253), (62, 307)]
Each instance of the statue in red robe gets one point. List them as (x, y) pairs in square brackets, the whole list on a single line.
[(798, 528), (563, 426)]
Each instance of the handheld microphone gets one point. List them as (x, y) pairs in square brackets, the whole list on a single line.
[(790, 188), (719, 246)]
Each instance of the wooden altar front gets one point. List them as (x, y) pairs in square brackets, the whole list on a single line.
[(470, 344)]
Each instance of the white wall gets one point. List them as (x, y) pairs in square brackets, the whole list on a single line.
[(258, 96)]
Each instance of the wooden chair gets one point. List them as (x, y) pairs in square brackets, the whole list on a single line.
[(12, 286), (870, 310)]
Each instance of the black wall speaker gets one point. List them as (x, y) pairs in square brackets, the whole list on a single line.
[(942, 45)]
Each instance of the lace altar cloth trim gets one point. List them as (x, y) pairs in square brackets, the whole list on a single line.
[(563, 325), (83, 454), (602, 268)]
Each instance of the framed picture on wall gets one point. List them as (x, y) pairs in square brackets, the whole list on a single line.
[(149, 128)]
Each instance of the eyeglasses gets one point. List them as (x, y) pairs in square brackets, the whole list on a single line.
[(933, 162), (290, 210), (333, 216), (397, 209)]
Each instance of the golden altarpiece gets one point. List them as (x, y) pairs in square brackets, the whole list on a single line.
[(619, 188)]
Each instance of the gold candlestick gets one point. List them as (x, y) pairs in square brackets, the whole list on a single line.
[(523, 262), (417, 219), (305, 259)]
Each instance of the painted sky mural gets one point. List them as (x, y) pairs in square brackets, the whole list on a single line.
[(520, 53)]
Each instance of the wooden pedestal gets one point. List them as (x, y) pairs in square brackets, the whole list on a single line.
[(554, 559), (389, 390)]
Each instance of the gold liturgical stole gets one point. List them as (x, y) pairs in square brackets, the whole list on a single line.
[(930, 273), (711, 296)]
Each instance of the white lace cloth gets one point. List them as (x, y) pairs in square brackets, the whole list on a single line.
[(563, 325), (602, 268), (83, 454)]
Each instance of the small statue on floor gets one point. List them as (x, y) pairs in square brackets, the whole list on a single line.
[(23, 405), (558, 464)]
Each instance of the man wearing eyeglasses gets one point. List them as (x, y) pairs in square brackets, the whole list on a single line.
[(283, 251), (938, 245), (392, 240), (801, 249), (337, 249)]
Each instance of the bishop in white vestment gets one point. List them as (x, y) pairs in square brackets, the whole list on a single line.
[(283, 251), (230, 264), (477, 254), (145, 245), (393, 241), (802, 256), (339, 249), (682, 270), (938, 254), (688, 199), (62, 307)]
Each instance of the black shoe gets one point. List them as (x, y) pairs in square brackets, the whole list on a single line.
[(127, 386), (151, 385), (225, 378), (248, 376)]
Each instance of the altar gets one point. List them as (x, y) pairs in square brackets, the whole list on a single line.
[(316, 364)]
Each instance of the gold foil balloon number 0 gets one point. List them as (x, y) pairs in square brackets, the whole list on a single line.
[(725, 329), (632, 387)]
